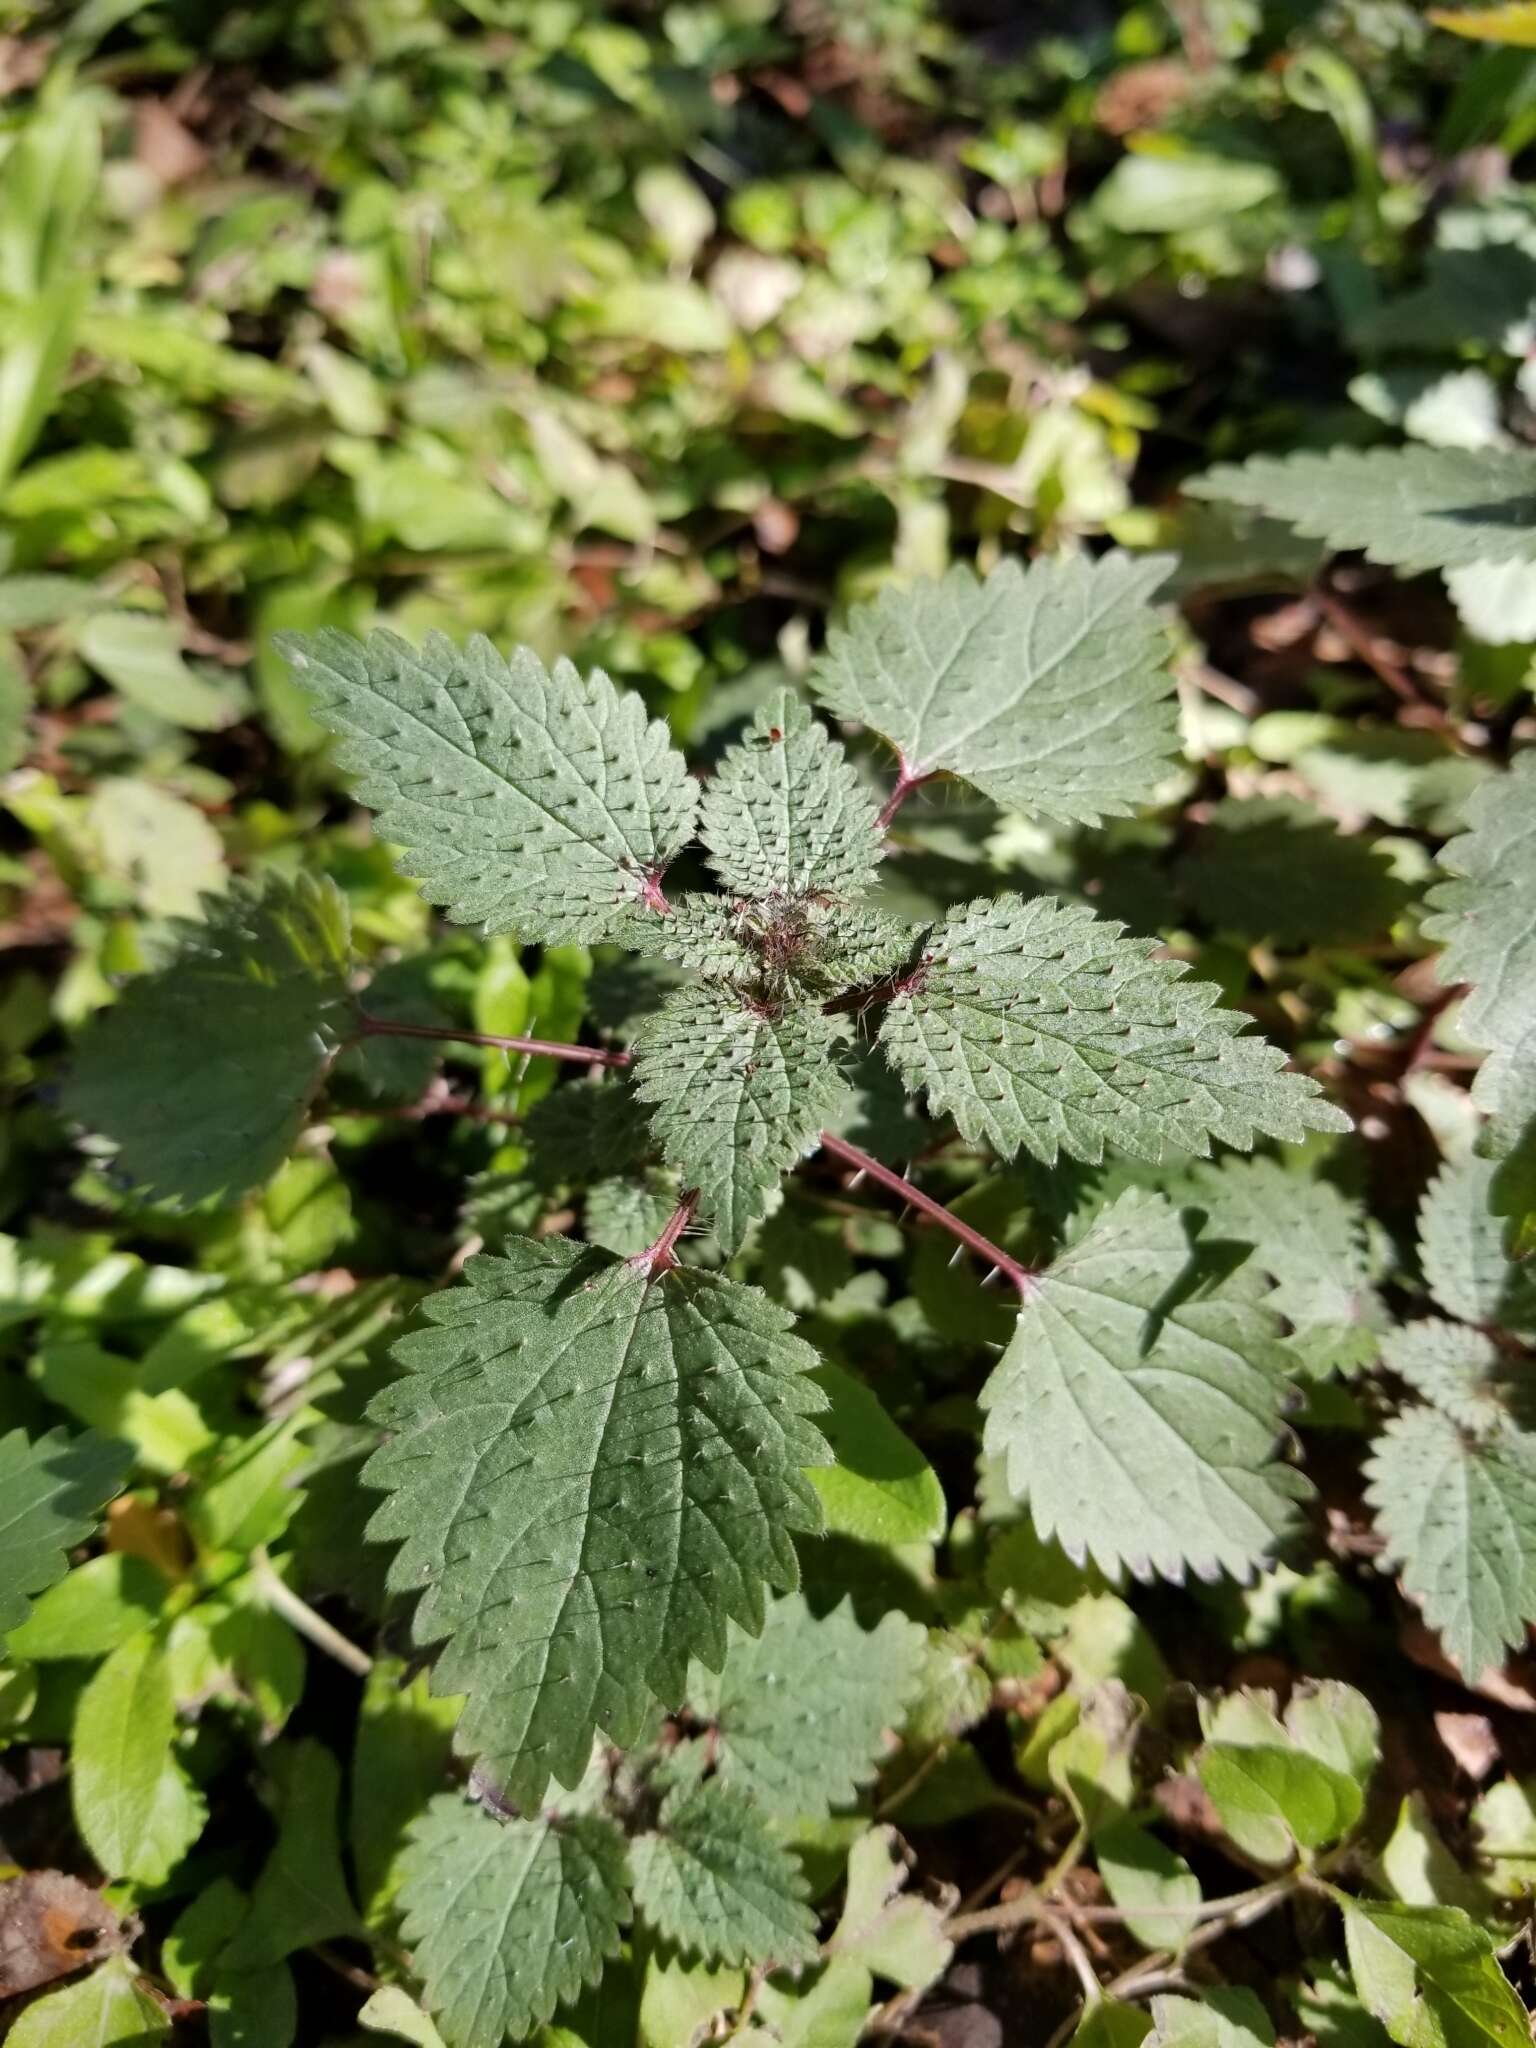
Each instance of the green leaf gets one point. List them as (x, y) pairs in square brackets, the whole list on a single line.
[(526, 800), (1311, 1241), (880, 1489), (712, 1880), (589, 1475), (134, 1805), (108, 2009), (1272, 1801), (1410, 508), (1275, 869), (1486, 917), (799, 1713), (1226, 2016), (389, 2010), (152, 843), (1457, 1514), (1462, 1372), (1046, 687), (894, 1933), (1461, 1248), (301, 1896), (786, 813), (141, 656), (203, 1072), (1035, 1024), (1151, 1884), (739, 1096), (400, 1757), (1109, 2024), (1138, 1404), (38, 340), (51, 1491), (1429, 1974), (100, 1604), (1181, 194), (505, 1919)]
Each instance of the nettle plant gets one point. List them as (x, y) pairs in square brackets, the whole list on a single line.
[(600, 1460)]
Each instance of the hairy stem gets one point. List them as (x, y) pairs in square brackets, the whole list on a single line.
[(906, 782), (1020, 1277), (542, 1048), (661, 1257)]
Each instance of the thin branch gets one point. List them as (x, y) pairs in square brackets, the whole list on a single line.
[(282, 1599), (1368, 648), (1021, 1277), (539, 1048)]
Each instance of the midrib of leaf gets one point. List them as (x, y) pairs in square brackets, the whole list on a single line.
[(1039, 1023), (1134, 1385), (509, 1907), (1033, 677), (545, 732)]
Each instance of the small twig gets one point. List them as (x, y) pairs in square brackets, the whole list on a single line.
[(1366, 648), (1020, 1277), (282, 1599), (539, 1048), (351, 1973)]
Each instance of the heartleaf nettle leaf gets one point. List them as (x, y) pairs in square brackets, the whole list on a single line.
[(1046, 687), (527, 800), (1457, 1512), (203, 1071), (1486, 917), (798, 1715), (589, 1475), (1035, 1024), (507, 1919), (786, 815), (1311, 1241), (1137, 1407), (739, 1095), (51, 1492), (1411, 508), (1461, 1248), (714, 1882)]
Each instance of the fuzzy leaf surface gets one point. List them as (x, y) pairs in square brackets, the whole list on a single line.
[(800, 1712), (1457, 1370), (1037, 1025), (1486, 917), (506, 1919), (1138, 1404), (1413, 508), (528, 800), (1311, 1241), (1046, 687), (738, 1096), (588, 1477), (1461, 1248), (203, 1071), (713, 1881), (786, 813), (1457, 1513), (52, 1490)]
